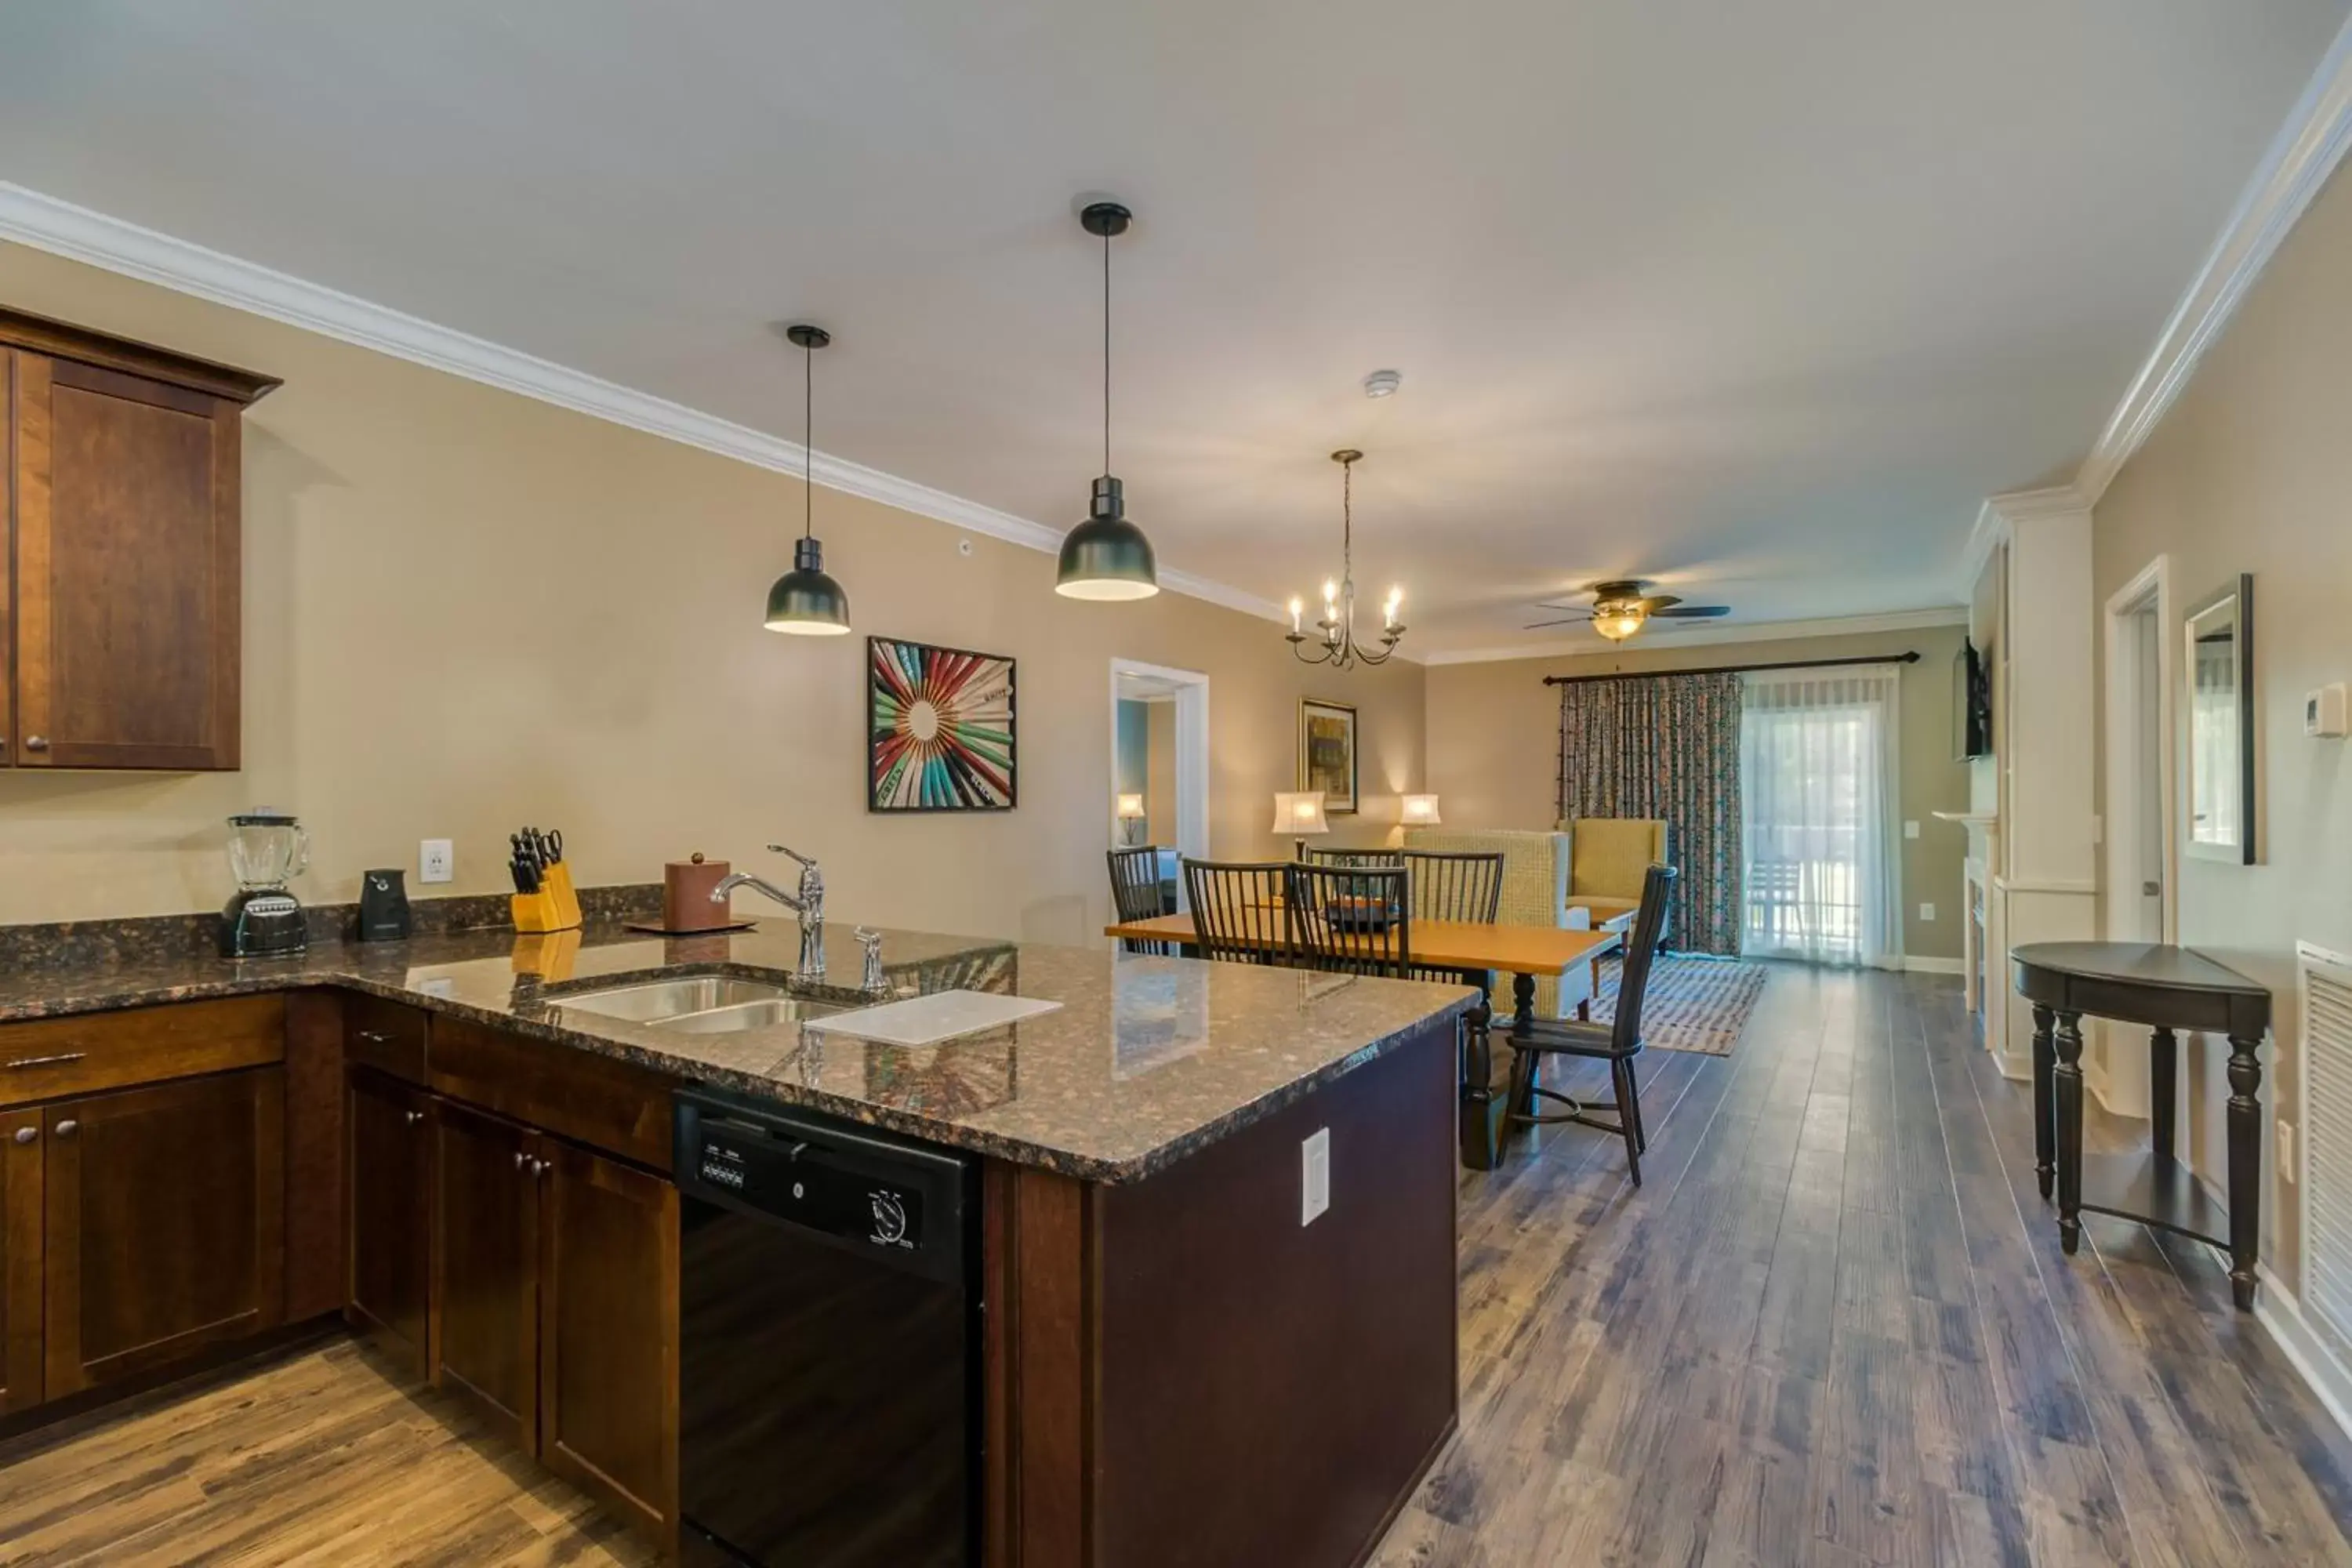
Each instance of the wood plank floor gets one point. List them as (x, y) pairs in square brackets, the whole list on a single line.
[(1835, 1328)]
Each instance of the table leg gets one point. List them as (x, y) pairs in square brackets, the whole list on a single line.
[(2066, 1079), (2163, 1082), (2045, 1109), (1478, 1106), (1584, 1008), (2245, 1123), (1525, 1073)]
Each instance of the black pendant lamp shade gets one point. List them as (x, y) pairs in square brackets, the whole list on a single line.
[(806, 601), (1106, 557)]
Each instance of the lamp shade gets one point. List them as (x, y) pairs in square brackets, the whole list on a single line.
[(1106, 557), (804, 600), (1130, 807), (1300, 812), (1420, 811)]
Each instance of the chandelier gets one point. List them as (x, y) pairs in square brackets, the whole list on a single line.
[(1333, 641)]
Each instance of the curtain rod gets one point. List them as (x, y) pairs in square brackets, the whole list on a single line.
[(1909, 657)]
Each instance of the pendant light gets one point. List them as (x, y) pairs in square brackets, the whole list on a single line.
[(806, 601), (1107, 556)]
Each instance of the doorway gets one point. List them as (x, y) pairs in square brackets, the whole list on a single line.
[(2138, 869), (1160, 765)]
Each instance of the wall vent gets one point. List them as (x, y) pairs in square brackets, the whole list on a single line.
[(2327, 1175)]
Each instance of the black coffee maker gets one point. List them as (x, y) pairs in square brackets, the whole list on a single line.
[(267, 849)]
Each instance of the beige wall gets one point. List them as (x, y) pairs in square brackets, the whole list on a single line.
[(466, 610), (2251, 472), (1494, 748)]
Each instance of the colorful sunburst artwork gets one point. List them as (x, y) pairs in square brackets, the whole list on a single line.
[(941, 729)]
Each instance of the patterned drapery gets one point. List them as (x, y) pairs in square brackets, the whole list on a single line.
[(1664, 746)]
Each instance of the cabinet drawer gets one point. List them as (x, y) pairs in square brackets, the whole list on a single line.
[(50, 1057), (385, 1036), (597, 1100)]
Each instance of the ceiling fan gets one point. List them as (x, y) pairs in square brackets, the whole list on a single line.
[(1620, 609)]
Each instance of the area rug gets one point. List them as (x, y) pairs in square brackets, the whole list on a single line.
[(1694, 1004)]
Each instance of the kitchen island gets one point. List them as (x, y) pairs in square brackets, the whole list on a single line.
[(1178, 1365)]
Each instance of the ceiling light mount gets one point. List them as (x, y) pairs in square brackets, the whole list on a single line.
[(1334, 642), (1383, 383)]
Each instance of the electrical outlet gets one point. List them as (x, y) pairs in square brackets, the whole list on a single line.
[(1314, 1176), (436, 860), (1926, 911), (2286, 1150), (1910, 830)]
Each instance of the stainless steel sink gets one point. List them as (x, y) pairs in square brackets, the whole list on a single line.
[(660, 1000), (747, 1016)]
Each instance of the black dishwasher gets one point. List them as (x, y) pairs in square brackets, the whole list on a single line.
[(828, 1347)]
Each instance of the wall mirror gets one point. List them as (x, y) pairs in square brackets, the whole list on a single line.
[(2221, 666)]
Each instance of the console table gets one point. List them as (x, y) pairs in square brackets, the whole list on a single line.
[(2166, 988)]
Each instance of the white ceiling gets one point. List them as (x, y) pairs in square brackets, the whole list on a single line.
[(1757, 300)]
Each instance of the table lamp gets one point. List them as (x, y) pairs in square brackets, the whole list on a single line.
[(1130, 812), (1298, 815), (1420, 811)]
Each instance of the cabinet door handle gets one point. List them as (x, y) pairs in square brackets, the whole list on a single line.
[(27, 1134), (415, 1117), (37, 742), (60, 1060), (521, 1159), (69, 1127), (376, 1036), (540, 1167)]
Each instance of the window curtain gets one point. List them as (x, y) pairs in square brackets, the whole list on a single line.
[(1666, 746), (1819, 773)]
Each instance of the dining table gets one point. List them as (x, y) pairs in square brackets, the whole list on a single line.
[(1476, 951)]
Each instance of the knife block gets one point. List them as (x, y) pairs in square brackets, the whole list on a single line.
[(555, 907)]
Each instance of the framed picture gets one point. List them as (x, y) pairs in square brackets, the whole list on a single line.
[(939, 734), (1327, 754), (2221, 785)]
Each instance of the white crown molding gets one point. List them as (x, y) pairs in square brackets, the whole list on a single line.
[(1589, 645), (1998, 517), (43, 222), (2296, 165)]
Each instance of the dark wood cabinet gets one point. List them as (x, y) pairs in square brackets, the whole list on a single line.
[(123, 482), (608, 1331), (20, 1259), (486, 1265), (389, 1220), (555, 1304), (163, 1214)]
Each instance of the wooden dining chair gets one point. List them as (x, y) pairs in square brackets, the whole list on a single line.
[(1617, 1042), (1136, 895), (1310, 855), (1455, 885), (1241, 911), (1354, 920)]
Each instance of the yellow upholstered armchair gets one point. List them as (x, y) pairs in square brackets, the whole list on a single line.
[(1608, 857), (1534, 884)]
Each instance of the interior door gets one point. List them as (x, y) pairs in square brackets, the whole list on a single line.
[(391, 1213), (164, 1215), (486, 1315), (126, 570), (20, 1259), (8, 420), (608, 1334)]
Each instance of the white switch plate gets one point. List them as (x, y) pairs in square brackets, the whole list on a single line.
[(436, 860), (1926, 911), (2286, 1150), (1910, 830), (1314, 1176)]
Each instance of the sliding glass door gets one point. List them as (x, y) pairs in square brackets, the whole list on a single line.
[(1818, 786)]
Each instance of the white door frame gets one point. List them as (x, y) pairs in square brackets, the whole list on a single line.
[(2149, 591), (1191, 755)]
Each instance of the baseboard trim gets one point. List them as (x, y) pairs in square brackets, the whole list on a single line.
[(1920, 964), (2329, 1380)]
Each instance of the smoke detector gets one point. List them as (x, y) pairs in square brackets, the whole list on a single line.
[(1383, 383)]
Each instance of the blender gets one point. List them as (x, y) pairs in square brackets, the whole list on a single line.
[(267, 849)]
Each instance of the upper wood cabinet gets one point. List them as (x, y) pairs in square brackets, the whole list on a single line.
[(124, 512)]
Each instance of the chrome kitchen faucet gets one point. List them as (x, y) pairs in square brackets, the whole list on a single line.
[(809, 904)]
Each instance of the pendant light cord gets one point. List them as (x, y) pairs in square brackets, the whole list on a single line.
[(1106, 467), (808, 438), (1348, 523)]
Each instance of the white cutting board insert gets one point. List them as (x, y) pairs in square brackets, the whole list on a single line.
[(927, 1020)]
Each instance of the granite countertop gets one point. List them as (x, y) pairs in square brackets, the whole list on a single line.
[(1146, 1060)]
